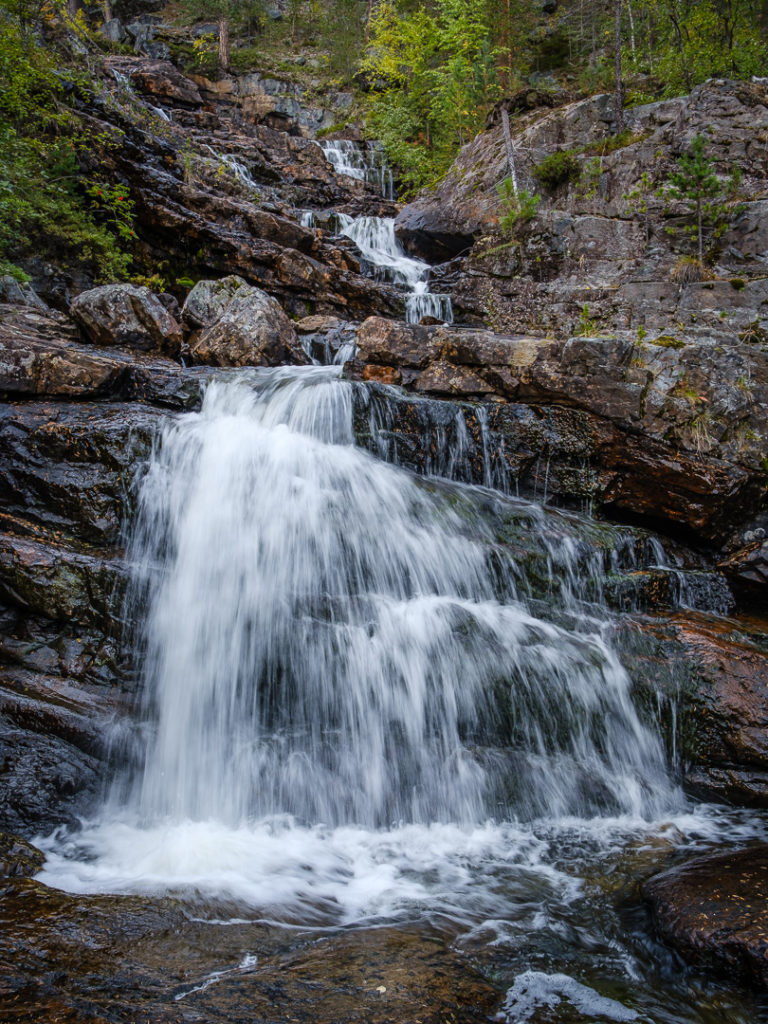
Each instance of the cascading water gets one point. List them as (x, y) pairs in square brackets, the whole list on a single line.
[(359, 707), (362, 161), (376, 239)]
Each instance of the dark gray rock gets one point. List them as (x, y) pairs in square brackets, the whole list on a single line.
[(239, 325), (129, 315)]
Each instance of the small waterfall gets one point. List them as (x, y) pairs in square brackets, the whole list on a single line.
[(236, 168), (375, 238), (364, 162)]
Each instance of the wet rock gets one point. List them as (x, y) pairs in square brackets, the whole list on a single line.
[(108, 958), (157, 78), (38, 357), (713, 673), (747, 567), (18, 858), (666, 432), (70, 467), (127, 315), (714, 911), (238, 325), (61, 583)]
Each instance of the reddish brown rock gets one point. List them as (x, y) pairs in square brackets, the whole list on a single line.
[(393, 343), (714, 911), (38, 356), (382, 374)]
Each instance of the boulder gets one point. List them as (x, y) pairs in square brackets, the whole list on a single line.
[(714, 911), (18, 858), (236, 324), (17, 293), (156, 78), (127, 315), (114, 30)]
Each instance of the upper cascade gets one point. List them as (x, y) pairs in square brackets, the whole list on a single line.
[(363, 161)]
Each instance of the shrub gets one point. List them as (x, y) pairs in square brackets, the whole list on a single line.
[(516, 207), (558, 169), (689, 269)]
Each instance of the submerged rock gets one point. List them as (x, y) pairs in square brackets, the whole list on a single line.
[(235, 324), (714, 911), (129, 315)]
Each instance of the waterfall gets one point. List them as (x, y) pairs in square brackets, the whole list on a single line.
[(364, 162), (378, 244), (327, 640)]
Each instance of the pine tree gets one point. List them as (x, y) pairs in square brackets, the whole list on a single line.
[(696, 184)]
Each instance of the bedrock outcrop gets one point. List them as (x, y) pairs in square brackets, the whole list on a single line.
[(604, 247), (667, 429)]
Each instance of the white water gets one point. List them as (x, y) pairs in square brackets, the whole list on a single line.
[(378, 244), (339, 690), (236, 168), (351, 716), (362, 161)]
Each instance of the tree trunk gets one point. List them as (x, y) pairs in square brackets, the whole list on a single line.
[(107, 8), (701, 239), (619, 102), (72, 6), (510, 148), (224, 43)]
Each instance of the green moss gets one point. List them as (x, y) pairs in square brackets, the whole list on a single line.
[(738, 284), (667, 341)]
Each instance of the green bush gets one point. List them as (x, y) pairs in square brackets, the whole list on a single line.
[(516, 206), (558, 169)]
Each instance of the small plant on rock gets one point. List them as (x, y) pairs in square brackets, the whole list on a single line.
[(517, 206), (689, 270), (696, 184), (558, 169)]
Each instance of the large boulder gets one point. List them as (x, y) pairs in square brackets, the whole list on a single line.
[(714, 911), (127, 315), (235, 324)]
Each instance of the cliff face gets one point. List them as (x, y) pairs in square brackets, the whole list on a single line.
[(591, 242)]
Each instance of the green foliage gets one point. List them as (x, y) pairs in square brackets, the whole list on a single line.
[(47, 202), (435, 74), (696, 184), (558, 169), (588, 326), (517, 207), (245, 16)]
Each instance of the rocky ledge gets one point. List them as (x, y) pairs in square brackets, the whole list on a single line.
[(666, 430), (714, 911)]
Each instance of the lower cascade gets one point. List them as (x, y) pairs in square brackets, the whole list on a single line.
[(356, 706)]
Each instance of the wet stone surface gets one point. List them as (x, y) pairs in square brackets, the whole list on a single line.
[(714, 911), (113, 959)]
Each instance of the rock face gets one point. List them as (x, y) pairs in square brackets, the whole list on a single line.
[(709, 677), (218, 191), (235, 324), (604, 247), (666, 429), (76, 429), (127, 315), (714, 911)]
